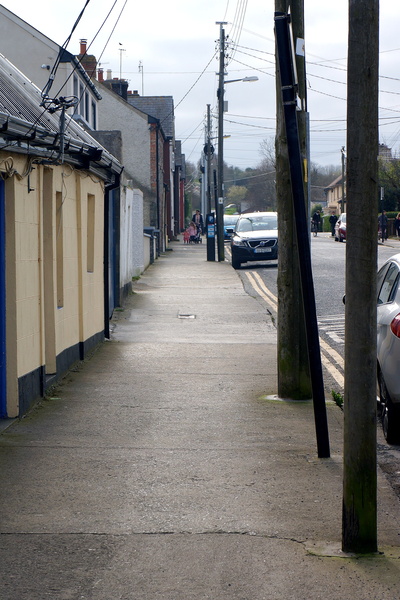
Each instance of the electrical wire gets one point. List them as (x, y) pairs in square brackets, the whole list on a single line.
[(237, 27), (107, 42), (46, 89)]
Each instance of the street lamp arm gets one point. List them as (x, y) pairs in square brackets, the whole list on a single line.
[(245, 79)]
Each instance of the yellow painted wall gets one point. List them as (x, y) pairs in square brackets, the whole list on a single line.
[(32, 255)]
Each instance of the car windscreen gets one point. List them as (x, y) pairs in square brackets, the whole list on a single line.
[(257, 223)]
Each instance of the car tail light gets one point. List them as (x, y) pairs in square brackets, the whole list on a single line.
[(395, 325)]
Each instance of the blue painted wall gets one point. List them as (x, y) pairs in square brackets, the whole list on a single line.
[(3, 388)]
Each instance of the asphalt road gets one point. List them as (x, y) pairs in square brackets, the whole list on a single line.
[(328, 265)]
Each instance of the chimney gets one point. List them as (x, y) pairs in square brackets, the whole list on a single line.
[(88, 61), (100, 75), (109, 74)]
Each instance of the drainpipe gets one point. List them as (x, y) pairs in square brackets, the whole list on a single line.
[(106, 259), (161, 232)]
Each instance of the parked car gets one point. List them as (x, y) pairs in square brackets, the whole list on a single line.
[(388, 347), (255, 238), (340, 228), (229, 225)]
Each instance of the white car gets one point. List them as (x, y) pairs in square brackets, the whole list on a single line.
[(388, 320)]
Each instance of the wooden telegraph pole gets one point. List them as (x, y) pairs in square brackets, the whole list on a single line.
[(359, 484), (293, 372)]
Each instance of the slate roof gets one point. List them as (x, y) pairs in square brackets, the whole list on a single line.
[(159, 107), (334, 183), (32, 130)]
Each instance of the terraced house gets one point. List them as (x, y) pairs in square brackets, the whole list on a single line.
[(56, 186)]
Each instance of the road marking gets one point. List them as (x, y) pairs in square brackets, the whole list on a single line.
[(333, 327), (261, 289)]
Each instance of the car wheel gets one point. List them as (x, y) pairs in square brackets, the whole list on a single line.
[(236, 263), (389, 415), (340, 238)]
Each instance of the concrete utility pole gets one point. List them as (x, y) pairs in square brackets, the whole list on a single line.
[(359, 484), (293, 371), (220, 204)]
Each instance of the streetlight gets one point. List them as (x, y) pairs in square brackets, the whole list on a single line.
[(220, 96)]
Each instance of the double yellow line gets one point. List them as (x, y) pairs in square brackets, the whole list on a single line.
[(330, 358)]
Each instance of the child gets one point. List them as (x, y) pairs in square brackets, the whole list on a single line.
[(192, 230)]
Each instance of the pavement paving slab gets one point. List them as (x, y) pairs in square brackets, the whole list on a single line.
[(165, 467)]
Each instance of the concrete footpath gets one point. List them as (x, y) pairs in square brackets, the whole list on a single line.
[(165, 468)]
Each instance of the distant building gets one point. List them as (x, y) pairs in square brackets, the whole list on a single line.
[(336, 196)]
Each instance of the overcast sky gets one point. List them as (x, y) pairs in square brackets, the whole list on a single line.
[(176, 43)]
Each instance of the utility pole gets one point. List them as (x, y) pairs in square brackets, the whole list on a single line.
[(359, 453), (289, 102), (210, 218), (141, 71), (294, 380), (220, 95), (343, 178), (210, 151)]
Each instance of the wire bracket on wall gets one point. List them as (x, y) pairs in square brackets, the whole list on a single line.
[(53, 105)]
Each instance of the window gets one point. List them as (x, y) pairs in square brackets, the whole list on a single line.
[(76, 90), (59, 250), (389, 285), (90, 232), (87, 107), (81, 101), (94, 115)]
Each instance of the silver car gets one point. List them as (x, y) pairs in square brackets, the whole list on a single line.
[(388, 320)]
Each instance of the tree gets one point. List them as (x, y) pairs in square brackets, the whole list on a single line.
[(192, 189), (389, 179), (359, 517), (236, 194)]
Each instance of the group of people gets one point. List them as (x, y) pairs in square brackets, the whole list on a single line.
[(195, 229), (383, 225)]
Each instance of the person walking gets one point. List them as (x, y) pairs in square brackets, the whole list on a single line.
[(315, 221), (397, 225), (383, 225), (332, 221), (198, 221)]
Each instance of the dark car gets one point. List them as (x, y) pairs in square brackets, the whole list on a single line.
[(229, 225), (340, 228), (255, 238)]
